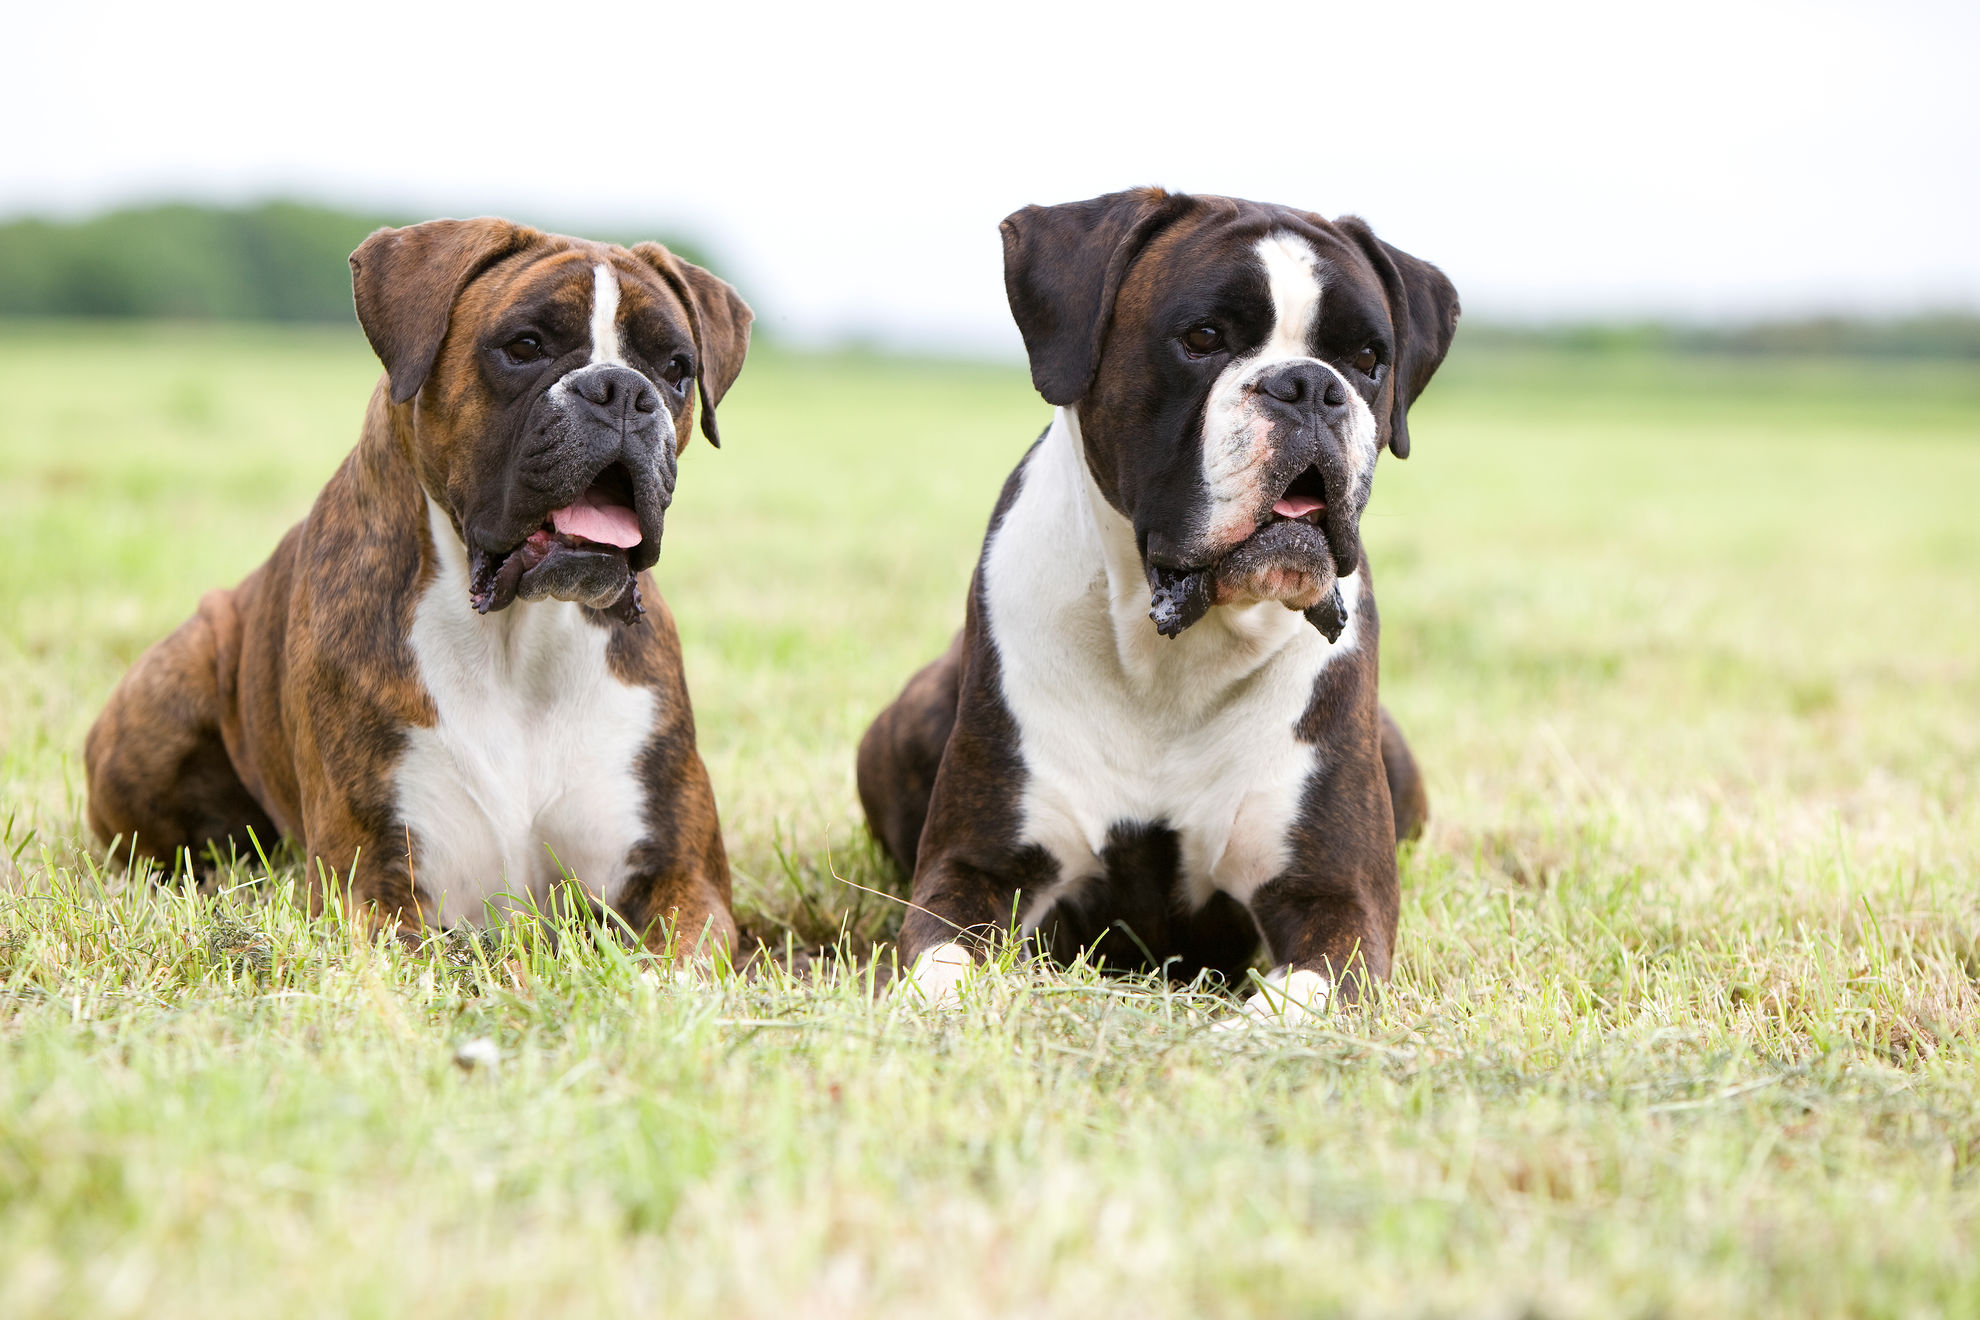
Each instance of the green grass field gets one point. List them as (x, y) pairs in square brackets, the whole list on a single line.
[(1685, 1017)]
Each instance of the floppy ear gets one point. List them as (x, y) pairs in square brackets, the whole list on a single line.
[(719, 320), (405, 282), (1062, 269), (1423, 304)]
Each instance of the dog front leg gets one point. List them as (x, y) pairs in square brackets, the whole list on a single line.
[(960, 910), (368, 872), (676, 895), (683, 913), (1330, 938)]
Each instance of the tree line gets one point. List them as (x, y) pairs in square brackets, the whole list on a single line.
[(285, 261), (274, 261)]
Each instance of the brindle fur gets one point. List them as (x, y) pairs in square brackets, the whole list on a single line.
[(282, 705)]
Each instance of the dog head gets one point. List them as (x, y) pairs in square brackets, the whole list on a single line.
[(1235, 368), (547, 385)]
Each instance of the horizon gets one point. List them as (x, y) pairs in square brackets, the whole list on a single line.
[(849, 175)]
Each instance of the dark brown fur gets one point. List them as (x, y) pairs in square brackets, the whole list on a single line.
[(1095, 288)]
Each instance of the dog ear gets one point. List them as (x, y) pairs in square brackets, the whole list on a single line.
[(719, 320), (405, 281), (1062, 269), (1423, 304)]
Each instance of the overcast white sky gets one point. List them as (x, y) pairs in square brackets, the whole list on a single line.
[(848, 164)]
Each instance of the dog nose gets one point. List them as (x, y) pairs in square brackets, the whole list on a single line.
[(614, 390), (1305, 385)]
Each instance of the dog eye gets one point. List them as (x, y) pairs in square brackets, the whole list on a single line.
[(1203, 341), (524, 348), (1367, 362), (678, 369)]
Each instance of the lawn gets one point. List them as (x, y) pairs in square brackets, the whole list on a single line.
[(1686, 1013)]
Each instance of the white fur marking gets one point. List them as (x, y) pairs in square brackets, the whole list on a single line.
[(537, 743), (1119, 725), (1236, 432), (605, 316), (939, 975), (1292, 270), (1285, 997)]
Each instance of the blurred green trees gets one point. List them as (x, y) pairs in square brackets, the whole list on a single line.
[(275, 261)]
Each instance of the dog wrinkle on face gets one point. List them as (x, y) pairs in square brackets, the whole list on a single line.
[(1237, 450), (1237, 430)]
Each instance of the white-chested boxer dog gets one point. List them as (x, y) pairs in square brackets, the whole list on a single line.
[(1157, 734), (454, 681)]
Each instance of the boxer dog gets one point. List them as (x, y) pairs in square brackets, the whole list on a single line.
[(454, 682), (1157, 735)]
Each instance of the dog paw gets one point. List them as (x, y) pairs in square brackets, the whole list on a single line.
[(937, 977), (1286, 998), (681, 973)]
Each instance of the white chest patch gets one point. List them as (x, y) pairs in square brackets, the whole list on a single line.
[(1118, 725), (535, 749)]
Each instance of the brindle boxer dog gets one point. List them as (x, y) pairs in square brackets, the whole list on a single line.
[(1157, 734), (454, 681)]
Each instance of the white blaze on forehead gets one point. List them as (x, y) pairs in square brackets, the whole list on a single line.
[(1292, 272), (605, 316)]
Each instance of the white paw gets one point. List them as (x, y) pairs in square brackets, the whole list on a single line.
[(479, 1053), (938, 975), (1285, 998), (681, 972)]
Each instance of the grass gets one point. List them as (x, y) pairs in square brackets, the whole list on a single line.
[(1685, 1015)]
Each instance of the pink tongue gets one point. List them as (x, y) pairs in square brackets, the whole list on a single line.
[(607, 524), (1292, 506)]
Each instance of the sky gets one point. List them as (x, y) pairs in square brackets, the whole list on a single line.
[(846, 165)]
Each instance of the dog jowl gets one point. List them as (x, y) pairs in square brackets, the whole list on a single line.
[(453, 682), (1157, 736)]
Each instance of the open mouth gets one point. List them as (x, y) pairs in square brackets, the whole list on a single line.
[(579, 553), (603, 515), (1304, 500), (1289, 557)]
